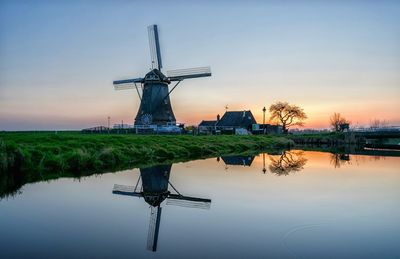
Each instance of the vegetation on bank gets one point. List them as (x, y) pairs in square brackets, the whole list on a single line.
[(49, 152), (332, 139), (27, 157)]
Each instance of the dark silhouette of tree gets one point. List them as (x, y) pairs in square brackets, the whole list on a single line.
[(288, 161), (337, 122), (337, 160), (287, 115)]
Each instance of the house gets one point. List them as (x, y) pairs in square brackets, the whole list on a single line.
[(236, 122), (207, 127)]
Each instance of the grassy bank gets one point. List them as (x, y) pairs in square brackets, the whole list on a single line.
[(80, 152), (28, 157)]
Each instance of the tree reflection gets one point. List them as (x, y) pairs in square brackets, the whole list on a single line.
[(337, 159), (288, 161)]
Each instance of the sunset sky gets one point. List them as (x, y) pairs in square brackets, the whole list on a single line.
[(58, 59)]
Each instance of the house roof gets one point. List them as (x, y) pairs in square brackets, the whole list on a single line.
[(207, 123), (236, 119)]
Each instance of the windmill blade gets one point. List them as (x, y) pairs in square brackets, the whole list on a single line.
[(154, 42), (126, 190), (154, 227), (127, 83), (181, 74), (188, 202)]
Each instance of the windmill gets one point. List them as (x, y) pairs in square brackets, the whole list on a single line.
[(154, 190), (153, 91)]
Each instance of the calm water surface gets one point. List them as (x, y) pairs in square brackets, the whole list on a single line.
[(291, 205)]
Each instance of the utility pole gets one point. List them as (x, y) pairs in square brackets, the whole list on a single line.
[(108, 123), (264, 110)]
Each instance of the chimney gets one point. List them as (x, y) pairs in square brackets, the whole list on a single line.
[(218, 117)]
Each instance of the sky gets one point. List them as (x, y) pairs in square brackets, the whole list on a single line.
[(58, 59)]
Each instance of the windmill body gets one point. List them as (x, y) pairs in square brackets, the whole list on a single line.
[(155, 109), (155, 106)]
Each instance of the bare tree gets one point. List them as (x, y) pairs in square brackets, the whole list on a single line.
[(336, 122), (287, 115)]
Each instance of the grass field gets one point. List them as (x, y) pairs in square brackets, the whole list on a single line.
[(76, 152), (28, 157)]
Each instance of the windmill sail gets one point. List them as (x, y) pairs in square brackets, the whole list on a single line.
[(181, 74), (127, 83), (188, 202), (154, 47), (126, 190), (154, 227)]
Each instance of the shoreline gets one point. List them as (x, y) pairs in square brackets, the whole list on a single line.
[(34, 157), (75, 152)]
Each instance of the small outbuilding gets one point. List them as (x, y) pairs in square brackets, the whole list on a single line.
[(207, 127)]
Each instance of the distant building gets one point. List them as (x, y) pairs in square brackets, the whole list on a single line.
[(344, 126), (122, 126), (98, 129), (236, 122)]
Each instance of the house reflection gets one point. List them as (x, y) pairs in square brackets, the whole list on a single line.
[(154, 188), (289, 161), (280, 162), (238, 160)]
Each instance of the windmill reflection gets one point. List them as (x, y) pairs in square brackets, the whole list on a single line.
[(154, 190), (288, 161)]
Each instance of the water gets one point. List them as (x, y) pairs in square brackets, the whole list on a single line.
[(302, 205)]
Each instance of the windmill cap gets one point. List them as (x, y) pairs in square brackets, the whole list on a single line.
[(156, 75)]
